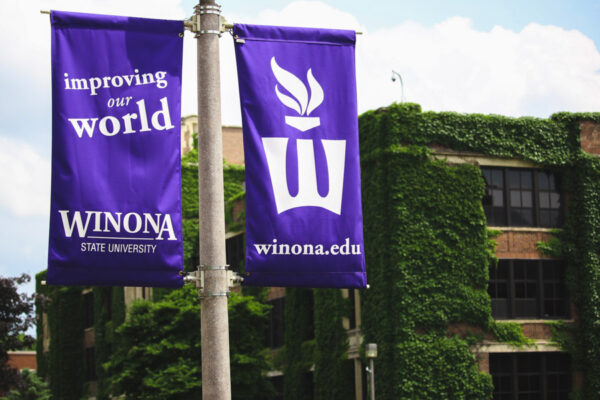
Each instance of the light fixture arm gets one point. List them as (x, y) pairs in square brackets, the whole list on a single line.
[(396, 75)]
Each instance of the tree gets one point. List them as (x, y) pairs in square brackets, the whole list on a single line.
[(33, 388), (15, 318), (157, 354)]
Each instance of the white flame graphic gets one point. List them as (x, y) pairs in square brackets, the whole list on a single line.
[(300, 103)]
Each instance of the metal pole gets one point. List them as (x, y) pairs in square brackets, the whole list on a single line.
[(372, 368), (216, 380)]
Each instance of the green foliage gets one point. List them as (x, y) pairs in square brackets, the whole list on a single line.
[(63, 365), (511, 333), (16, 316), (582, 233), (332, 382), (65, 361), (109, 313), (233, 177), (32, 388), (427, 251), (40, 309), (424, 226), (544, 141), (189, 202), (158, 349), (298, 349), (433, 367)]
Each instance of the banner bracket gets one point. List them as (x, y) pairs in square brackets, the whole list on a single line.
[(204, 295), (233, 278), (213, 267), (194, 25)]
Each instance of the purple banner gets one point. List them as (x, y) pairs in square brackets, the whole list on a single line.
[(303, 204), (115, 216)]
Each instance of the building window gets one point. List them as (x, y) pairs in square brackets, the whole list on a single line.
[(542, 376), (88, 301), (276, 334), (528, 289), (521, 197)]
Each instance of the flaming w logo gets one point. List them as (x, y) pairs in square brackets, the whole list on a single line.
[(301, 103), (276, 148)]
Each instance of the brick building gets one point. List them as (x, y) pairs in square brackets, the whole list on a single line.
[(527, 200)]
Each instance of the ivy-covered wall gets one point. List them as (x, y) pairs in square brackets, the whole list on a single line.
[(428, 250), (63, 365), (298, 344), (334, 373), (431, 270), (109, 313)]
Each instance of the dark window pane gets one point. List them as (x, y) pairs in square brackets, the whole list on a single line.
[(531, 372), (543, 181), (519, 270), (502, 269), (552, 180), (500, 309), (544, 200), (548, 290), (502, 290), (526, 180), (532, 268), (497, 198), (544, 217), (531, 290), (500, 363), (514, 179), (526, 309), (527, 199), (515, 198), (499, 217), (528, 203), (555, 219), (554, 200), (521, 217), (498, 178), (487, 176)]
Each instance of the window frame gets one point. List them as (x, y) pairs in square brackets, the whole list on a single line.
[(541, 299), (547, 376), (535, 193)]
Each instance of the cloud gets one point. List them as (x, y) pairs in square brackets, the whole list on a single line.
[(451, 66), (447, 66), (25, 48), (24, 179)]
